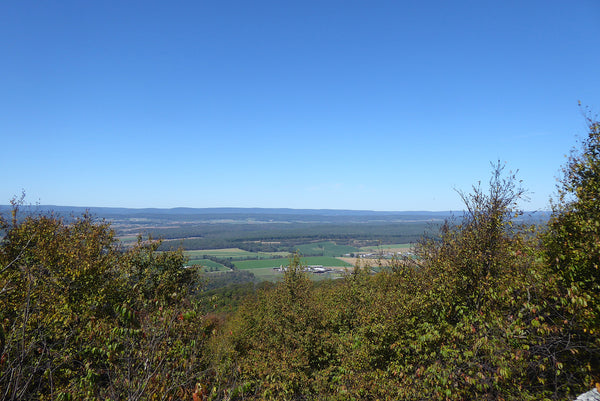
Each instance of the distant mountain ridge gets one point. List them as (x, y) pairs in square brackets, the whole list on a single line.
[(221, 210), (253, 214)]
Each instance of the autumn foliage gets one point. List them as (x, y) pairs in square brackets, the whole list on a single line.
[(83, 319)]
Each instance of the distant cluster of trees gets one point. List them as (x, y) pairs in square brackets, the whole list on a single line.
[(281, 237), (220, 280), (490, 310), (223, 261)]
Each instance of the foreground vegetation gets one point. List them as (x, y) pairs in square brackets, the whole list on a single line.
[(491, 310)]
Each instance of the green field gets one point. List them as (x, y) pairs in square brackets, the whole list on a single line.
[(234, 253), (270, 255), (260, 263), (385, 247), (270, 263), (325, 248), (220, 253), (268, 274), (129, 239), (325, 261), (262, 267), (208, 264)]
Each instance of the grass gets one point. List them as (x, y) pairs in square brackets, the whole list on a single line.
[(271, 255), (268, 274), (208, 264), (325, 261), (325, 248), (220, 253), (262, 268), (260, 263), (233, 253), (270, 263), (129, 239), (386, 247)]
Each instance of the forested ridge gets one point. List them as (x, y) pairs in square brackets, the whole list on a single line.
[(493, 309)]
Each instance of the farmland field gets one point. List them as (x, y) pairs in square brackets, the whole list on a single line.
[(208, 264), (261, 263), (233, 253), (388, 248), (268, 274), (220, 253), (325, 248), (270, 263), (325, 261), (129, 239), (253, 241)]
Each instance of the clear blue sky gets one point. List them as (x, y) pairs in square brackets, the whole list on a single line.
[(378, 105)]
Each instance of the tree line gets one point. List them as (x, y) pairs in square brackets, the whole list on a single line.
[(277, 237)]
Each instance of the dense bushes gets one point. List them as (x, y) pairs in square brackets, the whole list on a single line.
[(455, 324), (572, 249), (82, 319), (493, 310)]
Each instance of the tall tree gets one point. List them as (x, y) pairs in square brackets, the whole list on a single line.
[(572, 248), (573, 238)]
